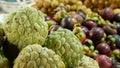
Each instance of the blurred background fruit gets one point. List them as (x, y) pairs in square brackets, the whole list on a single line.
[(98, 5)]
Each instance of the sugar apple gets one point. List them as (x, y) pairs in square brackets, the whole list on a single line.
[(26, 26), (66, 45), (35, 56), (87, 62), (4, 63)]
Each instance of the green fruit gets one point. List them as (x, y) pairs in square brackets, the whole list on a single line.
[(35, 56), (26, 26), (66, 45), (4, 63), (87, 62)]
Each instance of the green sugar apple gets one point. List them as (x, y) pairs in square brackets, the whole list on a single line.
[(87, 62), (35, 56), (26, 26), (66, 45)]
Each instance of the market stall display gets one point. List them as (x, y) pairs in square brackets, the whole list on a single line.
[(62, 34)]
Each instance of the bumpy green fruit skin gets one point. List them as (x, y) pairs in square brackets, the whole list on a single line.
[(26, 26), (4, 63), (35, 56), (66, 45), (87, 62)]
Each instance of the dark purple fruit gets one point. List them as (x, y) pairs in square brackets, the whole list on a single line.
[(96, 34), (107, 14), (67, 23), (103, 48), (85, 30), (109, 31), (77, 17), (117, 40), (90, 24), (117, 17), (118, 28), (82, 14)]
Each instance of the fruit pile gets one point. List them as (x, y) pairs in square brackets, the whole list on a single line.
[(98, 5), (61, 34), (47, 6), (98, 32), (27, 41)]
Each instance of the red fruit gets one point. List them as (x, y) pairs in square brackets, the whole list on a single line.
[(103, 48), (104, 61)]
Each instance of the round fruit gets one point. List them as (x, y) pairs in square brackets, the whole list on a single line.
[(104, 61), (118, 28), (96, 34), (117, 40), (82, 14), (85, 30), (87, 62), (107, 14), (117, 17), (66, 45), (90, 24), (26, 26), (109, 31), (77, 17), (103, 48), (35, 56), (67, 23)]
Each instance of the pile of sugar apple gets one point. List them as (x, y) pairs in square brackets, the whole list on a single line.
[(27, 43)]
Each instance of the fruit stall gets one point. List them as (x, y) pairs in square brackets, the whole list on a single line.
[(59, 34)]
